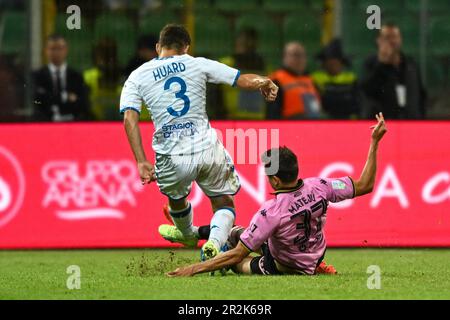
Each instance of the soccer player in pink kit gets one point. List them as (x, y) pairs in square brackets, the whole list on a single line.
[(287, 231)]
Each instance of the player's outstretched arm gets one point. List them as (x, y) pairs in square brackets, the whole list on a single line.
[(229, 258), (145, 168), (256, 82), (366, 182)]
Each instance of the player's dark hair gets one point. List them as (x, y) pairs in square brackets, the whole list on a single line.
[(284, 161), (174, 36)]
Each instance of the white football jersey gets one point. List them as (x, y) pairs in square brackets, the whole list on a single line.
[(174, 91)]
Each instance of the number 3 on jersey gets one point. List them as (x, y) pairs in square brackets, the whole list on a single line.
[(179, 95)]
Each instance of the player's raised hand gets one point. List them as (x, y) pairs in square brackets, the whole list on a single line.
[(268, 89), (146, 172), (380, 129)]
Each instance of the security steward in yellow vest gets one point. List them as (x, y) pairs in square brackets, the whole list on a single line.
[(244, 104), (338, 87)]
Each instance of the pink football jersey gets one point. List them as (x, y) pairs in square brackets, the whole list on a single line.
[(292, 223)]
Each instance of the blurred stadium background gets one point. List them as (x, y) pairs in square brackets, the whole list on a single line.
[(214, 24)]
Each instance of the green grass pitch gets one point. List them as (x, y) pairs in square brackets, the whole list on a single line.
[(139, 274)]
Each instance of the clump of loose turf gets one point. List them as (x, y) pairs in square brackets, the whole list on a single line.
[(142, 266)]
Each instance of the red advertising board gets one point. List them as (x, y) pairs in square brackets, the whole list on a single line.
[(76, 185)]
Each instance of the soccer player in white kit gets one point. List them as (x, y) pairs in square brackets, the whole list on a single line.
[(173, 88)]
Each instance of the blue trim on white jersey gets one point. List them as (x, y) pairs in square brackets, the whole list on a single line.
[(122, 111), (236, 79)]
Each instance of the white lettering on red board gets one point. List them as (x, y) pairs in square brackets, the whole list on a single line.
[(389, 187), (432, 184), (90, 192)]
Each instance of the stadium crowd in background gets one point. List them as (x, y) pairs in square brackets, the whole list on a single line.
[(391, 82), (330, 87)]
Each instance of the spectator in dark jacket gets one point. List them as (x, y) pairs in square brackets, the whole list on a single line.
[(11, 90), (145, 51), (60, 93), (391, 80)]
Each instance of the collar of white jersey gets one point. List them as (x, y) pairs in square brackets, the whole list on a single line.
[(169, 57)]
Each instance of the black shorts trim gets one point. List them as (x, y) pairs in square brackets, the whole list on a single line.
[(264, 264)]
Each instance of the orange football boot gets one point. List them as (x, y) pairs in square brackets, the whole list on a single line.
[(323, 268)]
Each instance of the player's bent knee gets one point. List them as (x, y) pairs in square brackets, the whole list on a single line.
[(222, 201), (179, 204)]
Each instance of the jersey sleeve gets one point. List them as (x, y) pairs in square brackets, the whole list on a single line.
[(261, 227), (338, 189), (219, 73), (130, 98)]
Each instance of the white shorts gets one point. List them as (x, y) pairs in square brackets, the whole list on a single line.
[(212, 169)]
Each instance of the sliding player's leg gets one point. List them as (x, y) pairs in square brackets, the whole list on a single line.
[(244, 267), (259, 265), (324, 268), (264, 264), (251, 264)]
